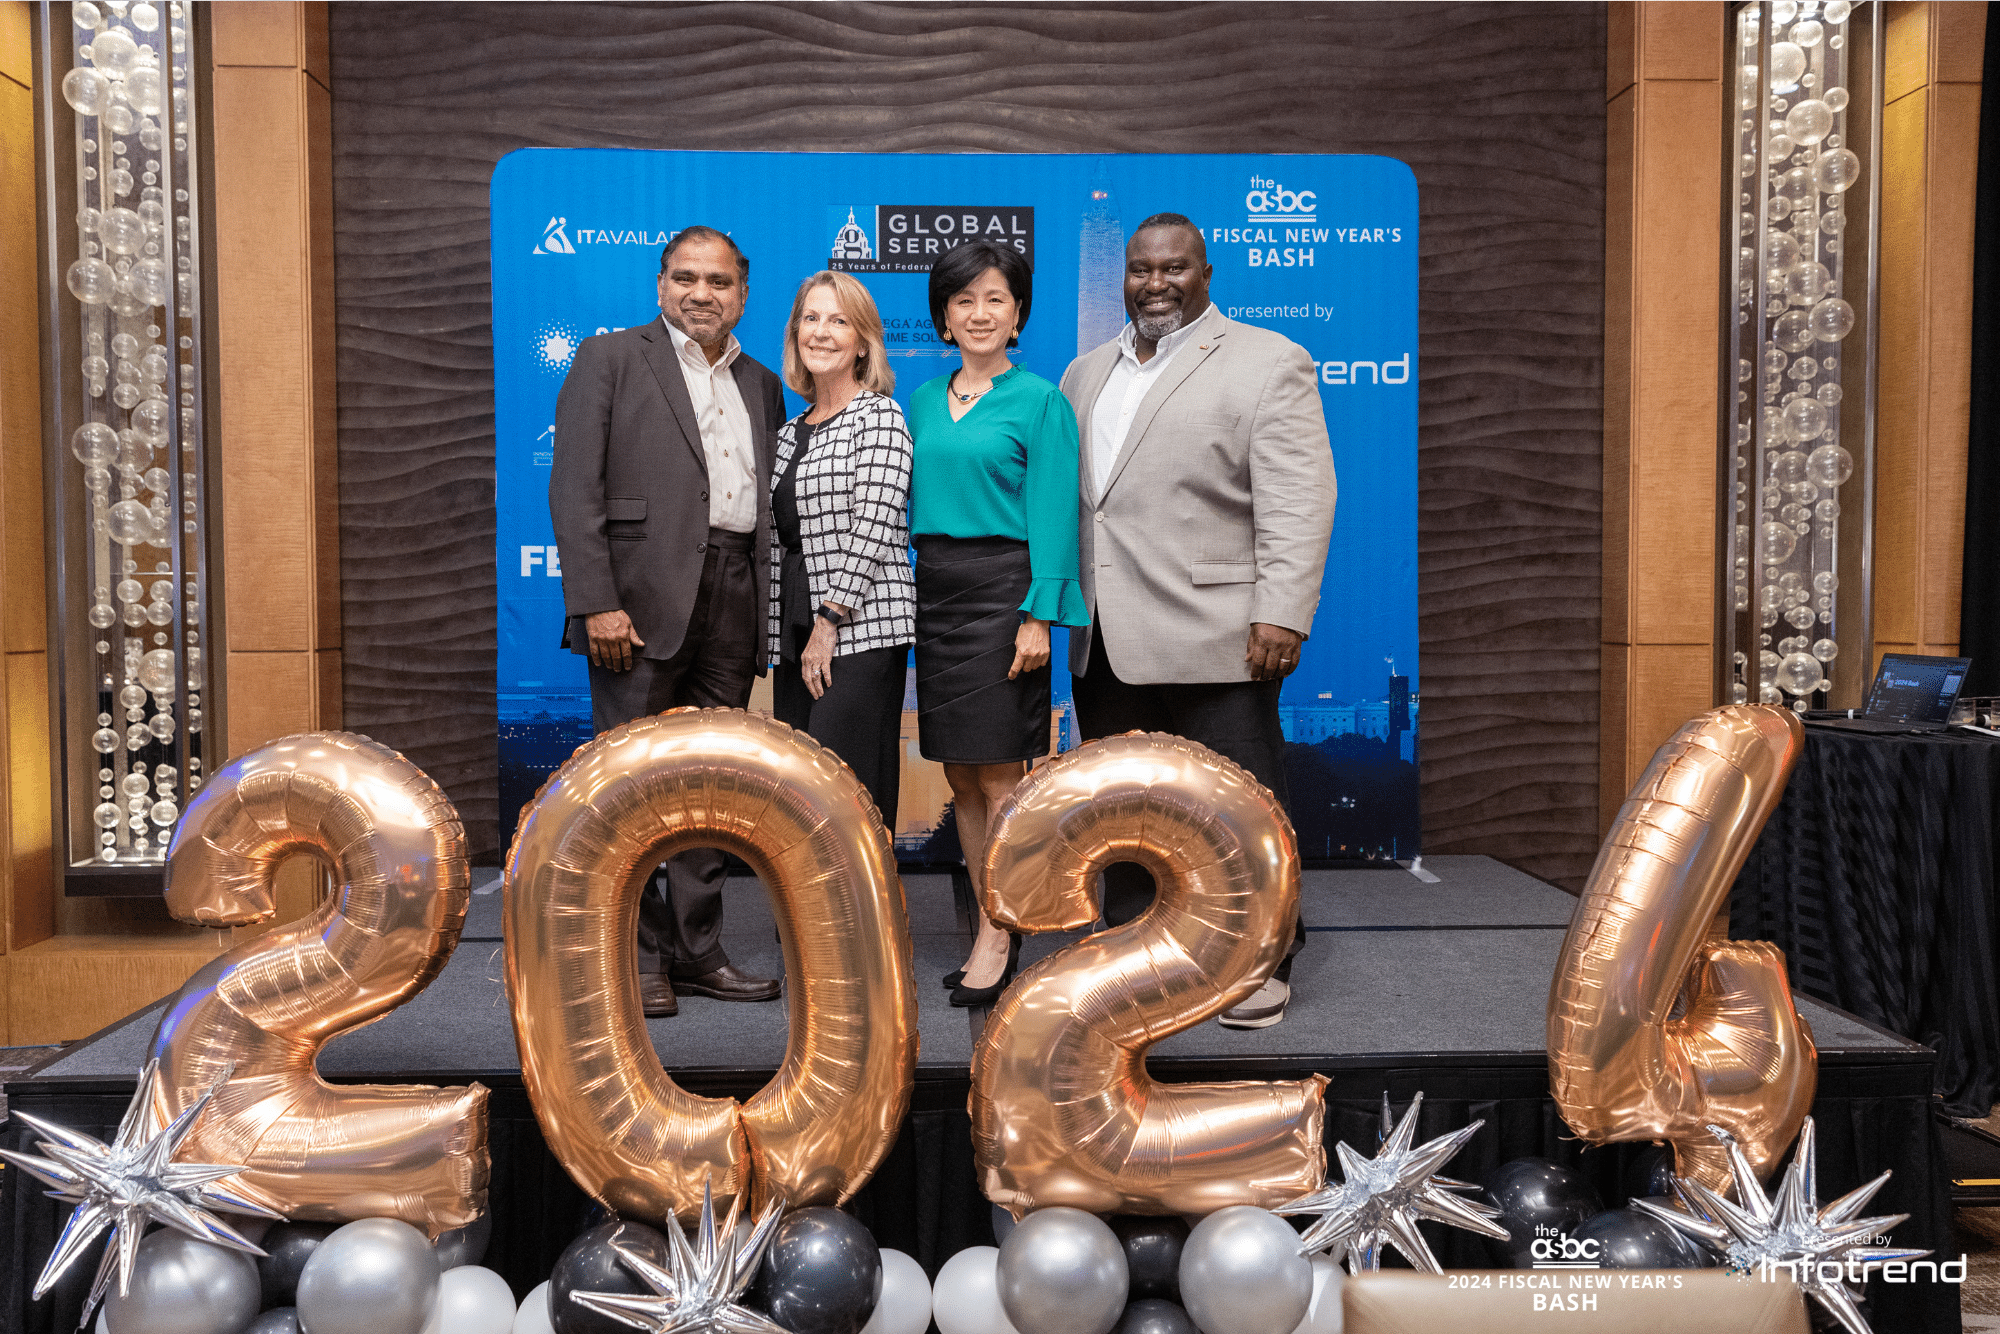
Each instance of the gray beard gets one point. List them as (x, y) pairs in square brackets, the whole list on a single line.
[(1158, 326)]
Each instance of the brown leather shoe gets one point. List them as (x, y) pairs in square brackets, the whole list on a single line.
[(728, 983), (656, 996)]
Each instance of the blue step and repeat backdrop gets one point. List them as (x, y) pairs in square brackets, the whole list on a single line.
[(1322, 249)]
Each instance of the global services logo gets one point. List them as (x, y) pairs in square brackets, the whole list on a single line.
[(909, 238), (555, 239)]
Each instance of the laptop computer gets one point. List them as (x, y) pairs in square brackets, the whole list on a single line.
[(1911, 693)]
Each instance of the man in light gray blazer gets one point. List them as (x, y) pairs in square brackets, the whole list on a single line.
[(1207, 495), (660, 496)]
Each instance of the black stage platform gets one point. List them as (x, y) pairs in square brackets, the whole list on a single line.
[(1406, 984)]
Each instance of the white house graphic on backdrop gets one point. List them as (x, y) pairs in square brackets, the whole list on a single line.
[(555, 241), (851, 242)]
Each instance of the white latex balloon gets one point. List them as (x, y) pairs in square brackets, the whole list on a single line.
[(905, 1304), (533, 1317), (1323, 1316), (966, 1299), (472, 1300)]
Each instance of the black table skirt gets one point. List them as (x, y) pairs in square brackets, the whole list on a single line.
[(1875, 876), (925, 1199)]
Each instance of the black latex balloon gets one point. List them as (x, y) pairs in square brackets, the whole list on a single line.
[(1698, 1255), (282, 1320), (589, 1264), (822, 1273), (1154, 1316), (1628, 1239), (287, 1247), (1152, 1255), (1535, 1193), (1651, 1172), (465, 1245)]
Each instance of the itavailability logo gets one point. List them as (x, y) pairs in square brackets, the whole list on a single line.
[(555, 240)]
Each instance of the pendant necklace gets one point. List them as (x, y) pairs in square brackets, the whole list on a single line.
[(952, 385)]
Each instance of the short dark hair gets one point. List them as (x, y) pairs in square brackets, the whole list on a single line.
[(701, 233), (959, 267), (1177, 220)]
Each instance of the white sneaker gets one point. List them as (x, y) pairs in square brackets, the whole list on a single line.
[(1265, 1006)]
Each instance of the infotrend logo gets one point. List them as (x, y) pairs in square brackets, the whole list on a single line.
[(555, 240)]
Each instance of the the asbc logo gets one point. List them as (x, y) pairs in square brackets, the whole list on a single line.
[(1270, 201), (555, 240)]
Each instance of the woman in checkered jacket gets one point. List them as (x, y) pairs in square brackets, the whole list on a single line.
[(842, 603)]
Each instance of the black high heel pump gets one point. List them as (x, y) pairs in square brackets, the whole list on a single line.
[(966, 998)]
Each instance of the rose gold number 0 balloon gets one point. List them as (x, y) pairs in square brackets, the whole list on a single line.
[(1621, 1066), (1063, 1111), (720, 778), (265, 1008)]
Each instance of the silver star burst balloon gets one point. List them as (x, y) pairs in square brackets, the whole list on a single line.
[(1789, 1234), (701, 1293), (1383, 1197), (122, 1186)]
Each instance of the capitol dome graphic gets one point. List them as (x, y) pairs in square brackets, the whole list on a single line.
[(851, 242)]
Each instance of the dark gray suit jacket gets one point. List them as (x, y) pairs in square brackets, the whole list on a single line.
[(629, 490)]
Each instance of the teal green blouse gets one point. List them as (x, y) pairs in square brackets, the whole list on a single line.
[(1007, 468)]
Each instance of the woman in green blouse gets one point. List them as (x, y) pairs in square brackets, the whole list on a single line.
[(993, 510)]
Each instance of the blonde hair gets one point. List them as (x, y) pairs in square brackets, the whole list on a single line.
[(871, 364)]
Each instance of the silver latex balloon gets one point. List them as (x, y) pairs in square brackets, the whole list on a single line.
[(377, 1276), (184, 1286), (465, 1245), (1062, 1271), (1241, 1273)]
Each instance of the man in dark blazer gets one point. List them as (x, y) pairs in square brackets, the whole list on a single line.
[(665, 435)]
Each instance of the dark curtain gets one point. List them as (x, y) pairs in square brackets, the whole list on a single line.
[(1979, 602)]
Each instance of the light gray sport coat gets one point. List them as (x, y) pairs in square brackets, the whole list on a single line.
[(1218, 510), (629, 491)]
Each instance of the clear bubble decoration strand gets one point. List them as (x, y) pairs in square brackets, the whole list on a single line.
[(133, 501), (1798, 419)]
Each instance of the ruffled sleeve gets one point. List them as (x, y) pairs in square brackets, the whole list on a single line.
[(1055, 594)]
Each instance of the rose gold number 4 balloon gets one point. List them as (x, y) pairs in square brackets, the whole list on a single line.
[(1063, 1110), (1623, 1064), (720, 778), (397, 851)]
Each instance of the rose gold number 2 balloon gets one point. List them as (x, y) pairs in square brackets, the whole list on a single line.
[(261, 1012), (719, 778), (1063, 1111), (1621, 1065)]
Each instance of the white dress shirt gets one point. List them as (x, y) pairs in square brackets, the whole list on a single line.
[(1118, 403), (725, 432)]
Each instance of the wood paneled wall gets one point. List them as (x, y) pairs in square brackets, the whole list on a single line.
[(1498, 109), (1662, 323), (26, 869), (1930, 153)]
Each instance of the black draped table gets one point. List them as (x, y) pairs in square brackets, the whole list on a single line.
[(1875, 876)]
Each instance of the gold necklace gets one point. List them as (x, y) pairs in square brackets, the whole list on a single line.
[(951, 386)]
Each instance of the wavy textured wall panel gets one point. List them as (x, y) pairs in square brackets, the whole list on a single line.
[(1499, 109)]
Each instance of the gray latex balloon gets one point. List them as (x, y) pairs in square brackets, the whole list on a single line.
[(465, 1245), (1241, 1273), (378, 1276), (278, 1320), (1156, 1315), (184, 1286), (1062, 1271), (1003, 1223)]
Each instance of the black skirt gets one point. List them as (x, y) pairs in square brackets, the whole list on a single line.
[(969, 595)]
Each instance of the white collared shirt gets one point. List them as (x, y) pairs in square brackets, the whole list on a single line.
[(1118, 402), (725, 432)]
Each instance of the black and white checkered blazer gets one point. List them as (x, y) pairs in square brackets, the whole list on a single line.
[(853, 493)]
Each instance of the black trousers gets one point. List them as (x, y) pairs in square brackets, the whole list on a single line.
[(1236, 719), (680, 912), (859, 717)]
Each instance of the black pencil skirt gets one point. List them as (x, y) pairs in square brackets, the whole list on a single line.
[(969, 595)]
